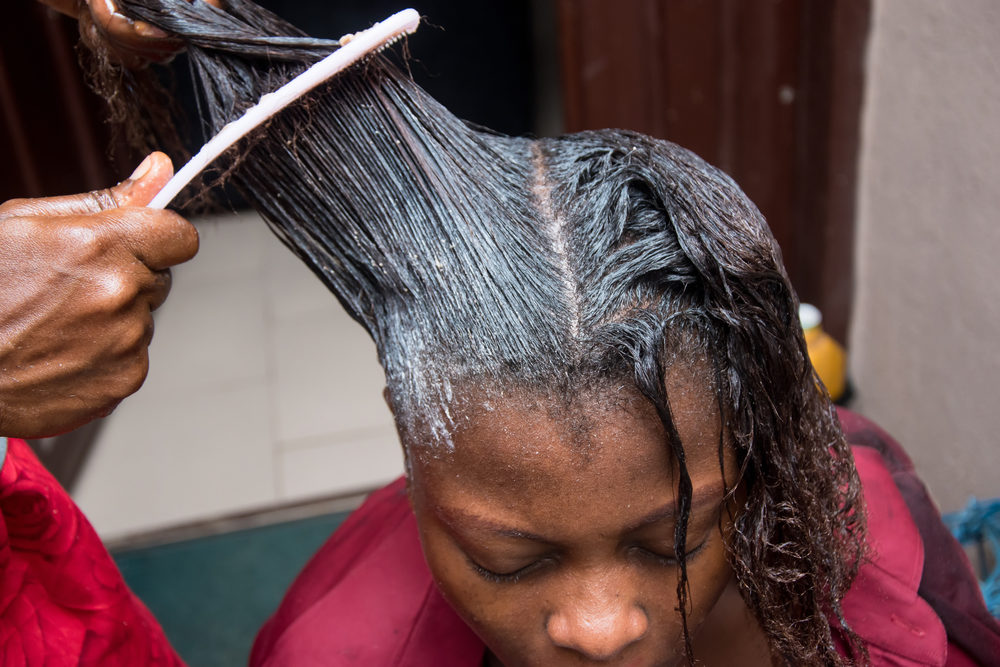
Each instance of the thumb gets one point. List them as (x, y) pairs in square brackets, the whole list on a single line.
[(147, 179), (137, 190)]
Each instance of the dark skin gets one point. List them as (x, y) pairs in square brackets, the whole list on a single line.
[(133, 44), (79, 278), (81, 274), (549, 528)]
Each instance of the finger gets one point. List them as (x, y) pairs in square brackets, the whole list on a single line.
[(145, 182), (134, 42), (137, 190), (158, 238), (159, 288), (81, 204), (121, 29)]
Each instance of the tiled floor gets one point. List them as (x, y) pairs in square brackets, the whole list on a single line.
[(261, 391)]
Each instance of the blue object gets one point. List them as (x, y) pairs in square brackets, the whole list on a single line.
[(979, 525)]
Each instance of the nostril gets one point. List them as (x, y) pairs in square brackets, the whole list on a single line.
[(598, 636)]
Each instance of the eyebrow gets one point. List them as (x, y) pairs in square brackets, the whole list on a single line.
[(701, 499), (483, 523)]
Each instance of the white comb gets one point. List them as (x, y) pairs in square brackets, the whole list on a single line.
[(353, 48)]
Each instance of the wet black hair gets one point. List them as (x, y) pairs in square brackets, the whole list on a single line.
[(480, 260)]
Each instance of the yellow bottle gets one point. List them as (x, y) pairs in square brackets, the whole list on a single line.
[(826, 354)]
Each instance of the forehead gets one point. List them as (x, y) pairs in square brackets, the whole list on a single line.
[(609, 438)]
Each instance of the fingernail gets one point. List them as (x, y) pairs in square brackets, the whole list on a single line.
[(148, 30), (142, 169), (121, 17)]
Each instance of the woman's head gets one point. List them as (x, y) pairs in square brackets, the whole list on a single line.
[(550, 525), (678, 379), (605, 299)]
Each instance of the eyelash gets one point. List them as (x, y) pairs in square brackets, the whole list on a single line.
[(670, 560), (517, 575), (504, 578)]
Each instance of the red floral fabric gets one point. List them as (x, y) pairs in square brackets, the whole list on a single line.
[(62, 599)]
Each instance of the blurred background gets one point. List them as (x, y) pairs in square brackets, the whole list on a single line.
[(865, 130)]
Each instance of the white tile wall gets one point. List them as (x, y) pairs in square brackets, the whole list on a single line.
[(261, 391), (357, 461), (345, 380)]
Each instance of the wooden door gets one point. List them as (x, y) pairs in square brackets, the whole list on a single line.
[(767, 90)]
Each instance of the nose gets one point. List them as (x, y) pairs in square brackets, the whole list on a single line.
[(599, 627)]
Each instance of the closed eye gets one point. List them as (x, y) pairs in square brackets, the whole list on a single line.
[(507, 577), (667, 560)]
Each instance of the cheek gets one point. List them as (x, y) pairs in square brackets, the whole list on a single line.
[(509, 618), (488, 608), (708, 576)]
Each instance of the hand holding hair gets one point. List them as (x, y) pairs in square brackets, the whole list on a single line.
[(131, 43), (79, 278)]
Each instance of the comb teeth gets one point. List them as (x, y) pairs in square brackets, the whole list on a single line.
[(357, 47), (349, 37)]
